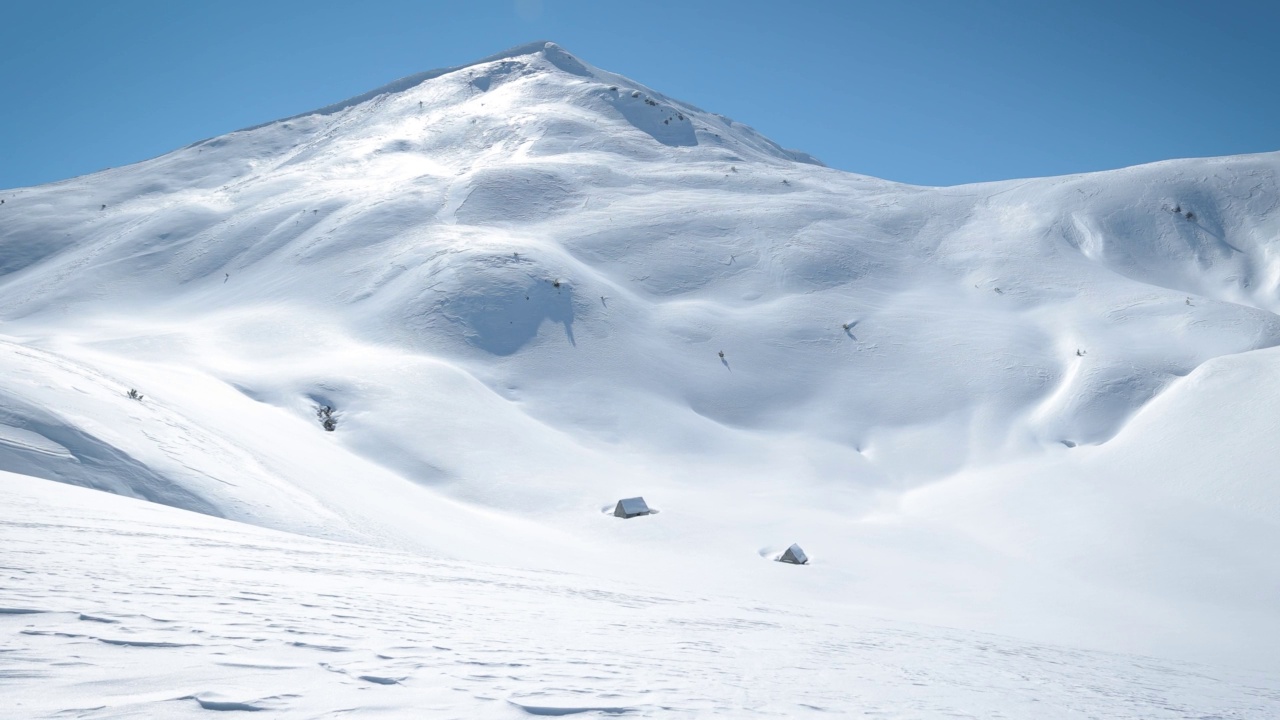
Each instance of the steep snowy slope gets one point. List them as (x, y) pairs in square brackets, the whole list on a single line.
[(514, 280)]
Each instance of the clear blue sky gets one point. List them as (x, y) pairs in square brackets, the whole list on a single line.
[(938, 93)]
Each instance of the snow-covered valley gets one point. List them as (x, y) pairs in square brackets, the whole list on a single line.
[(1042, 409)]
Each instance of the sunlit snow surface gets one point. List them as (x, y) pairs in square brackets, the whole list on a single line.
[(188, 613), (530, 288)]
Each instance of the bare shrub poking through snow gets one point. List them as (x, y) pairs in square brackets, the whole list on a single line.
[(327, 416), (134, 395)]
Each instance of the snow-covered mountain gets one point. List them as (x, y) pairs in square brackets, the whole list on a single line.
[(529, 287)]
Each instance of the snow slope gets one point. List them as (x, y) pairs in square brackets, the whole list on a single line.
[(193, 614), (1038, 407)]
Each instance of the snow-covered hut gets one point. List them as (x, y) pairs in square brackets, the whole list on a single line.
[(631, 507), (794, 555)]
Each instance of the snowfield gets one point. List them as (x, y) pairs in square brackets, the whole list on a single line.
[(1039, 413), (187, 614)]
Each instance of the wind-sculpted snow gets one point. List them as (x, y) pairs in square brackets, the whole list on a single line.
[(526, 287), (191, 614)]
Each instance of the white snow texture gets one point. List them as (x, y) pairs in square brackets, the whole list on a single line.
[(1024, 431)]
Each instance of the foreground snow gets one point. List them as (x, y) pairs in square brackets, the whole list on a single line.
[(188, 613)]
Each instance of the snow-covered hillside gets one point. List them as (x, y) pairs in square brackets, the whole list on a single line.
[(530, 287)]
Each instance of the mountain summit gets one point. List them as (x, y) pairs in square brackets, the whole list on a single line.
[(540, 79), (466, 313)]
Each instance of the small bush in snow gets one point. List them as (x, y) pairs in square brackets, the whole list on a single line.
[(134, 395), (327, 416)]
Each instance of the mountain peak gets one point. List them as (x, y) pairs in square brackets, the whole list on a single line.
[(544, 75), (408, 82)]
